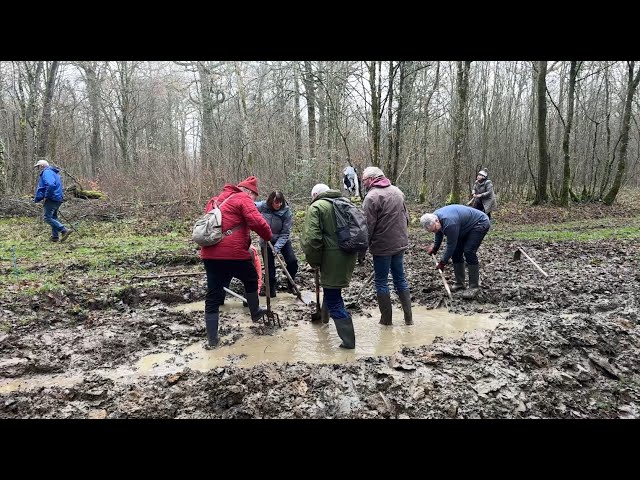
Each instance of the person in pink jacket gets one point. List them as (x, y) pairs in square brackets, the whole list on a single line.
[(231, 256)]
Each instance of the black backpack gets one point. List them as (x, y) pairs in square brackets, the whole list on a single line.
[(353, 235)]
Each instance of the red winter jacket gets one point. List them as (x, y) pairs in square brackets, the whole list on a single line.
[(239, 210)]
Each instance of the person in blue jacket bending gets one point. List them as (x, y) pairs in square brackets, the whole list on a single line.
[(465, 228)]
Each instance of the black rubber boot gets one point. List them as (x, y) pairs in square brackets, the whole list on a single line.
[(384, 303), (211, 322), (405, 301), (344, 327), (474, 282), (324, 312), (254, 307), (458, 269)]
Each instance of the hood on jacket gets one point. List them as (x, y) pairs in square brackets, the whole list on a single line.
[(327, 194), (380, 182)]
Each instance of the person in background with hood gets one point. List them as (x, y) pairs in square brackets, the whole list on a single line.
[(279, 216), (319, 242), (465, 228), (230, 257), (388, 223), (484, 198), (50, 190)]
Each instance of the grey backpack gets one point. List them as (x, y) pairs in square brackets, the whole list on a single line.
[(207, 230), (352, 231)]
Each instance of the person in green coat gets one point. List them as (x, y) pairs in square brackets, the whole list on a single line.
[(319, 243)]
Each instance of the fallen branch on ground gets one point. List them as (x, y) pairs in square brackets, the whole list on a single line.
[(182, 274)]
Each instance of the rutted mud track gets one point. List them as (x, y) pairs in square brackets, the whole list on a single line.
[(572, 350)]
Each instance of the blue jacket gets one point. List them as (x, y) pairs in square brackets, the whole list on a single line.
[(49, 186), (280, 222), (457, 221)]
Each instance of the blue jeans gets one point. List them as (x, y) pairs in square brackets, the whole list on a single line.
[(469, 244), (333, 300), (50, 215), (381, 266)]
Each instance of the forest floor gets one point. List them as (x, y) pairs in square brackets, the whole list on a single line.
[(75, 324)]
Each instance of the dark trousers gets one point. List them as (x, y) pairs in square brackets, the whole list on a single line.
[(468, 245), (289, 259), (219, 275), (333, 300), (479, 206)]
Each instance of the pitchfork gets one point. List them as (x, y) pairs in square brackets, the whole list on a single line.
[(272, 317)]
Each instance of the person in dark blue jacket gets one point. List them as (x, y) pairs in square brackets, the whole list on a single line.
[(50, 190), (279, 216), (465, 228)]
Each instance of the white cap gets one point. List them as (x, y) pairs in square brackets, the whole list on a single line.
[(373, 172), (483, 173), (43, 163), (319, 188)]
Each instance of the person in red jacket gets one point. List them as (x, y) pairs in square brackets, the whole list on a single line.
[(230, 257)]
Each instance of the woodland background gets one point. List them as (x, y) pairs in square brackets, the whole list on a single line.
[(148, 131)]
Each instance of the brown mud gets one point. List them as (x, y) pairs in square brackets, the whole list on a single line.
[(562, 346)]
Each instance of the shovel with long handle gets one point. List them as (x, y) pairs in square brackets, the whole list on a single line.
[(235, 294), (284, 267), (516, 256), (364, 286), (271, 317), (444, 280), (317, 315)]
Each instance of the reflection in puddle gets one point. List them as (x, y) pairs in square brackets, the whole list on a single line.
[(312, 343), (307, 342)]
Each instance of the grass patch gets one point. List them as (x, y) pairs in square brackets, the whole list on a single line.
[(581, 231), (98, 250)]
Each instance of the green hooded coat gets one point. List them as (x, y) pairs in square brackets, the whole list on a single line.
[(320, 243)]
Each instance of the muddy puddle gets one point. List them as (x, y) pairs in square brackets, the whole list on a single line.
[(296, 342)]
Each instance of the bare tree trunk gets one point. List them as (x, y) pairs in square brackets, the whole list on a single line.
[(210, 98), (3, 169), (632, 85), (297, 122), (392, 74), (311, 108), (401, 94), (543, 158), (246, 137), (423, 186), (375, 113), (27, 93), (45, 122), (323, 142), (93, 91), (462, 87), (566, 172)]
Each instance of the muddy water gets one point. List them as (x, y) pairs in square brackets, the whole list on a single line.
[(38, 381), (312, 343), (304, 342)]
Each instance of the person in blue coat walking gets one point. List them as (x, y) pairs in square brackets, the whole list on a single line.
[(50, 190)]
